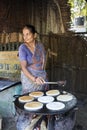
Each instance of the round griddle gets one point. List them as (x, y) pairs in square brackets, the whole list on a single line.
[(44, 111)]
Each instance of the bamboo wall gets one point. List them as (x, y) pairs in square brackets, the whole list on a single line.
[(71, 61)]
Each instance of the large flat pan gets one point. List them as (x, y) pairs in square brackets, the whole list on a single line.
[(44, 111)]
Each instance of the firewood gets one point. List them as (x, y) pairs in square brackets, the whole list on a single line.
[(33, 122), (43, 125)]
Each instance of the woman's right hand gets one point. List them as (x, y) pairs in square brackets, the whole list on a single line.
[(39, 81)]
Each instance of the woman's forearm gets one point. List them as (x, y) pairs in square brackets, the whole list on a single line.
[(28, 74)]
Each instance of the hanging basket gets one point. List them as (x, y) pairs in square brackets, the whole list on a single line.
[(79, 21)]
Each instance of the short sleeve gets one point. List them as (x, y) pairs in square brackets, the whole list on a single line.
[(22, 53)]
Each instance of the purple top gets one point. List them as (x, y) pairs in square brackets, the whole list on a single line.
[(35, 62)]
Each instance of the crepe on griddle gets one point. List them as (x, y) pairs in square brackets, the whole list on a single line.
[(53, 92), (65, 98), (36, 94), (25, 99), (55, 105), (34, 105), (46, 99)]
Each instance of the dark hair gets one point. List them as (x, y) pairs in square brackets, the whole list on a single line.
[(31, 28)]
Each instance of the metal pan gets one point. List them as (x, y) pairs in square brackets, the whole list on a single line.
[(68, 106)]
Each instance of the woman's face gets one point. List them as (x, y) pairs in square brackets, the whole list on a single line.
[(28, 36)]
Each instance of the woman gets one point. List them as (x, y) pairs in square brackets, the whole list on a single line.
[(32, 59), (33, 76)]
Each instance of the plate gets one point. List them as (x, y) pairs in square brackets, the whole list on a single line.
[(34, 105), (55, 106), (46, 99), (65, 98), (24, 99), (36, 94), (53, 92)]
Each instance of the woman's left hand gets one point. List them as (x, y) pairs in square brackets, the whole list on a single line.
[(39, 81)]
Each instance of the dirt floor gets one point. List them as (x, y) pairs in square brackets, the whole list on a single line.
[(81, 116)]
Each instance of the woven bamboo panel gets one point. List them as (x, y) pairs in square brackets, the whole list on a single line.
[(13, 37), (71, 61), (10, 37), (20, 37), (0, 37), (3, 37), (7, 40)]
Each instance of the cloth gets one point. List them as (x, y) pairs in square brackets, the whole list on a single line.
[(29, 86), (34, 60)]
